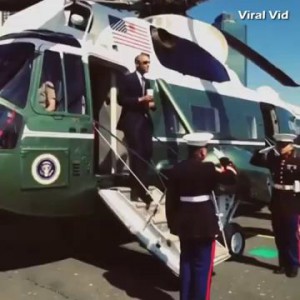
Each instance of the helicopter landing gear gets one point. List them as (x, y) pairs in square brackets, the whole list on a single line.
[(235, 239), (226, 206)]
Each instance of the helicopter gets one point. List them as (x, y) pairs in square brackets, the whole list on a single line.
[(58, 162)]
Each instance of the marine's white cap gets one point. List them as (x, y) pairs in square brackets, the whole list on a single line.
[(284, 137), (198, 139)]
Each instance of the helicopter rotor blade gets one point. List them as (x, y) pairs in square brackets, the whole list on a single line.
[(16, 5), (259, 60)]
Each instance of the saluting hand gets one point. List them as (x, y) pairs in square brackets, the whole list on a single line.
[(225, 161)]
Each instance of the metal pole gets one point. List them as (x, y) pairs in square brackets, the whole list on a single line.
[(113, 120)]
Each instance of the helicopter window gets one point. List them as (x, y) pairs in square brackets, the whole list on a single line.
[(269, 119), (252, 127), (75, 84), (205, 118), (173, 125), (186, 57), (297, 125), (10, 127), (16, 66), (245, 119), (50, 92), (286, 120)]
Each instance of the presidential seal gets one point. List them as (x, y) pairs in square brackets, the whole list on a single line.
[(45, 169)]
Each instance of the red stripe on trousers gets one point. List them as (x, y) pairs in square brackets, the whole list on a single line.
[(298, 236), (213, 249)]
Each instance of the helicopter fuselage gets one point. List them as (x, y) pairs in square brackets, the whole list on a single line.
[(54, 161)]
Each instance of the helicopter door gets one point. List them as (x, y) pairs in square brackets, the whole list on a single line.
[(270, 119), (61, 130)]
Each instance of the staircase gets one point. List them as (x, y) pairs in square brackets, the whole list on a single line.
[(150, 226)]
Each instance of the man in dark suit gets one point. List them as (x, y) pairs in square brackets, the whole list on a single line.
[(135, 121), (191, 214)]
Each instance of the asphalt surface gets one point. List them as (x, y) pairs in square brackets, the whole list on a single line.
[(44, 259)]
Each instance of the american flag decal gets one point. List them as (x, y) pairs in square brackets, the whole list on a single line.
[(129, 34)]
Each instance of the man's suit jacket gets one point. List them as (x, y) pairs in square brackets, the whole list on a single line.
[(134, 114)]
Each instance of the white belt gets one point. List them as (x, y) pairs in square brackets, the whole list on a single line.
[(193, 199), (283, 187)]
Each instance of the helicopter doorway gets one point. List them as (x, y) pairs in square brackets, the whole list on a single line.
[(270, 120), (106, 113)]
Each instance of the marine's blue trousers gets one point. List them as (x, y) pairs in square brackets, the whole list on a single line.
[(286, 230), (196, 266)]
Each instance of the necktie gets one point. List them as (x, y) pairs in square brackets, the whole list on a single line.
[(143, 85)]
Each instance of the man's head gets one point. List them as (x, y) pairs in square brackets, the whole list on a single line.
[(142, 63), (197, 143), (285, 143)]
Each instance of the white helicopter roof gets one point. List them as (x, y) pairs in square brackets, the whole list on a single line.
[(272, 97), (295, 109), (100, 42), (47, 14)]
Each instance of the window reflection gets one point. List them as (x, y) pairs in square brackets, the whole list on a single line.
[(173, 125), (10, 127), (75, 84), (251, 127), (297, 126), (205, 119), (54, 93), (16, 66), (50, 93), (286, 120)]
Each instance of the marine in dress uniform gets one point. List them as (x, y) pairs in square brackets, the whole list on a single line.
[(191, 214), (284, 166), (135, 121)]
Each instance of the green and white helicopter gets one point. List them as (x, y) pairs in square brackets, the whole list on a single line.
[(62, 162)]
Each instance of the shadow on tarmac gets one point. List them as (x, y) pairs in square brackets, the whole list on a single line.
[(28, 241), (253, 262), (254, 231), (138, 274), (252, 209)]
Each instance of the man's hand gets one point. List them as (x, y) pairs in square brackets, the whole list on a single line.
[(146, 98), (151, 105)]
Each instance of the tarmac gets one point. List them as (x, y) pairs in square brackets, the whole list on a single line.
[(44, 259)]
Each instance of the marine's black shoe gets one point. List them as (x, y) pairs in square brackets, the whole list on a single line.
[(291, 272), (279, 270), (148, 200)]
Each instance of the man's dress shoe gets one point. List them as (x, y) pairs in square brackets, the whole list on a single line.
[(279, 270), (291, 272)]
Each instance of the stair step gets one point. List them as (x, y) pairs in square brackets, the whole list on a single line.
[(141, 204), (160, 216), (171, 237), (157, 234)]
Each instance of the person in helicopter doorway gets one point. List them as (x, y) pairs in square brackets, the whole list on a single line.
[(136, 123), (47, 96), (49, 86), (284, 166), (191, 214)]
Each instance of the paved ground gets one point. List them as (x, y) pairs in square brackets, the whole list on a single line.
[(38, 261)]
